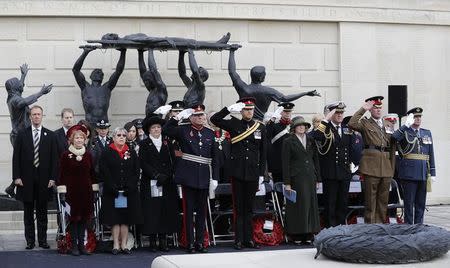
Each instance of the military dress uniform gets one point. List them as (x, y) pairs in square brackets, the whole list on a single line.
[(416, 164), (99, 145), (248, 159), (335, 145), (194, 172), (377, 163)]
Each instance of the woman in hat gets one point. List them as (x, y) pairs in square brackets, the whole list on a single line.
[(77, 174), (132, 137), (301, 172), (121, 207), (158, 191), (89, 138)]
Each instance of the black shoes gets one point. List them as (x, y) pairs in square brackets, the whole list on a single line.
[(163, 245), (30, 246), (83, 251), (199, 248), (75, 251), (190, 249), (126, 251), (251, 244), (44, 245), (238, 245), (115, 251)]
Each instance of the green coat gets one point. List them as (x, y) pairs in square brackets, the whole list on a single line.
[(301, 170)]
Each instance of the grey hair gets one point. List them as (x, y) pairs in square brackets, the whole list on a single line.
[(119, 130)]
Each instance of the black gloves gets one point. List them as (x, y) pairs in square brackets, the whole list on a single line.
[(161, 179)]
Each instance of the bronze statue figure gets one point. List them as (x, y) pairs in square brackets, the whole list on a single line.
[(196, 86), (95, 96), (157, 91), (264, 95)]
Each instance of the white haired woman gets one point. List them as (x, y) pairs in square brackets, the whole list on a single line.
[(119, 166)]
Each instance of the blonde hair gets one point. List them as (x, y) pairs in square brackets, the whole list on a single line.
[(72, 135)]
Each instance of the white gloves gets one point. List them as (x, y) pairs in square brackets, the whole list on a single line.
[(163, 110), (409, 120), (212, 188), (184, 114), (237, 107), (277, 113), (433, 178)]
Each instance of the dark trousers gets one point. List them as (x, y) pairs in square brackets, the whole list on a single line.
[(414, 197), (336, 199), (77, 233), (28, 220), (194, 200), (243, 198)]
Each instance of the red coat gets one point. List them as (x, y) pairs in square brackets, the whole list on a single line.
[(78, 177)]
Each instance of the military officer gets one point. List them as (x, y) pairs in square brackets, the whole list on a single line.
[(276, 133), (194, 170), (100, 142), (416, 164), (378, 159), (334, 141), (248, 159)]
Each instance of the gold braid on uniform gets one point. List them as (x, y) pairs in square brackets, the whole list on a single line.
[(328, 140), (409, 146)]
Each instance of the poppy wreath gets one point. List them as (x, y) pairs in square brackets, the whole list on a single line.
[(268, 239)]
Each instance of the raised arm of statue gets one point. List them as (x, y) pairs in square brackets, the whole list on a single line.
[(280, 97), (141, 63), (182, 69), (154, 69), (237, 81), (22, 102), (194, 68), (119, 69), (79, 77), (23, 73)]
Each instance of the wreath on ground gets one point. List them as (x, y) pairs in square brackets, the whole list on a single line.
[(383, 243)]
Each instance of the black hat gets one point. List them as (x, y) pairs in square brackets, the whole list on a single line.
[(417, 111), (129, 125), (297, 121), (138, 122), (287, 106), (102, 124), (248, 101), (177, 105), (378, 101), (198, 109), (151, 120), (338, 105)]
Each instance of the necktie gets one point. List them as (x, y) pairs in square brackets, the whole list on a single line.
[(338, 128), (36, 139), (416, 131), (380, 124), (103, 141)]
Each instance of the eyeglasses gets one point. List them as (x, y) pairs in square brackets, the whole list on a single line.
[(121, 135)]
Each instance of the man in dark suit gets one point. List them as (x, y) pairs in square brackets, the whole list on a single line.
[(334, 140), (34, 173), (100, 142), (60, 133), (248, 159)]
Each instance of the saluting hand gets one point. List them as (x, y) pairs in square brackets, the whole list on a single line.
[(163, 110), (237, 107), (409, 120), (368, 105)]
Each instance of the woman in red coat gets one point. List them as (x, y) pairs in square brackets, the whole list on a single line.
[(77, 174)]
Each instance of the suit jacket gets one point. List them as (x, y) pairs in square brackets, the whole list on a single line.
[(412, 169), (96, 150), (61, 141), (335, 164), (248, 156), (300, 163), (374, 162), (195, 142), (23, 168), (274, 149)]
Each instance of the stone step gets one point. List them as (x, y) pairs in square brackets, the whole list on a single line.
[(13, 220)]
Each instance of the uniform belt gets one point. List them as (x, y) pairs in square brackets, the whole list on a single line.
[(424, 157), (197, 159), (379, 148)]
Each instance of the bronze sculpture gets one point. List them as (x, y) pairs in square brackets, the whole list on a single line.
[(196, 86)]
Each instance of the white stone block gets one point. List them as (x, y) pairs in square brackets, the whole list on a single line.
[(11, 30), (127, 101), (250, 55), (66, 56), (131, 59), (208, 60), (323, 79), (168, 27), (284, 79), (57, 78), (229, 96), (212, 30), (95, 28), (273, 32), (53, 29), (297, 58), (316, 32), (68, 97), (332, 58), (15, 54)]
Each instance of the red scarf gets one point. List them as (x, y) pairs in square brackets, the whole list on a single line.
[(120, 152), (285, 122)]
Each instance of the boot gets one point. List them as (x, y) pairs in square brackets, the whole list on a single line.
[(163, 243), (81, 231), (152, 239), (73, 230)]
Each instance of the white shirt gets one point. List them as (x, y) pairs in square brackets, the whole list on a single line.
[(302, 139), (338, 129), (157, 142), (33, 131)]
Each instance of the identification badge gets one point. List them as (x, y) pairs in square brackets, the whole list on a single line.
[(347, 131), (427, 140), (257, 134)]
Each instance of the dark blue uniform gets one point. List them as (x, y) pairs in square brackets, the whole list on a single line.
[(193, 176), (416, 163)]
